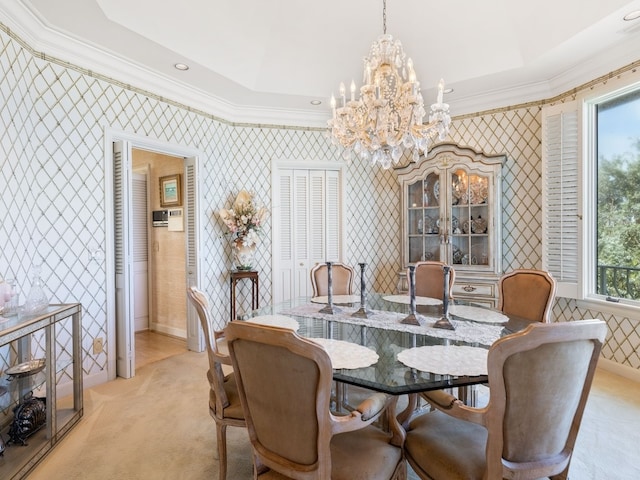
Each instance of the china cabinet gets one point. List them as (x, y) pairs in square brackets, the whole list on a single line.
[(451, 213), (40, 384)]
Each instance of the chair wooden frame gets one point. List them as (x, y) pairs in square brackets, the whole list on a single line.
[(528, 294), (430, 279), (242, 340), (537, 431), (342, 279), (221, 386)]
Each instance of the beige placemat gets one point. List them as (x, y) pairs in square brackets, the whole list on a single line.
[(459, 360), (406, 300), (276, 321), (346, 354), (337, 299), (478, 314)]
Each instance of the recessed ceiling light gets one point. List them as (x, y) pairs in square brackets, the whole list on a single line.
[(632, 15), (315, 102), (181, 66)]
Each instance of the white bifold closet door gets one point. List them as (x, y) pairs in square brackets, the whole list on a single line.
[(307, 227)]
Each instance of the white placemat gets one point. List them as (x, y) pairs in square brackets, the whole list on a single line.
[(446, 359), (478, 314), (337, 299), (419, 300), (276, 321), (346, 354)]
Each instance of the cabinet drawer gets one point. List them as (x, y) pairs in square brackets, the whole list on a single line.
[(468, 288)]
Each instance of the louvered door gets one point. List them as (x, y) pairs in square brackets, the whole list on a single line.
[(307, 227), (140, 215), (125, 353), (195, 340)]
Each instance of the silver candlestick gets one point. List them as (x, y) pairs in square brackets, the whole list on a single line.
[(413, 318), (444, 322), (329, 308), (363, 311)]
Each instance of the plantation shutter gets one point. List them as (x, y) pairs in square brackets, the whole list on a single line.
[(560, 199)]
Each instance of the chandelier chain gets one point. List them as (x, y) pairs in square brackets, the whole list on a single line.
[(384, 17)]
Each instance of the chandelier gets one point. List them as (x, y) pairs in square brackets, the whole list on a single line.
[(389, 115)]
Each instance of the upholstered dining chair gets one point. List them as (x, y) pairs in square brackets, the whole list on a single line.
[(224, 402), (342, 276), (540, 380), (430, 279), (528, 294), (284, 382)]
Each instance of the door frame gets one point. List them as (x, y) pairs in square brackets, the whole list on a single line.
[(288, 164), (137, 141)]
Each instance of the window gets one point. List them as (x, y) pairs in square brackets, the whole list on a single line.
[(591, 194), (617, 134)]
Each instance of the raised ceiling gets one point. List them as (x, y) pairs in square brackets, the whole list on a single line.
[(265, 61)]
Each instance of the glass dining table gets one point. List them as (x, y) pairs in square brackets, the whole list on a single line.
[(378, 351)]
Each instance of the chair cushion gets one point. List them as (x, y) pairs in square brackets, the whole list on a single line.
[(234, 409), (363, 454), (445, 447)]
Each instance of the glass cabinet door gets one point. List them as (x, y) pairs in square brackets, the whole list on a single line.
[(470, 217), (423, 219)]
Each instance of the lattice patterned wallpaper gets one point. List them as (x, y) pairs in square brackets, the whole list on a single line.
[(51, 140)]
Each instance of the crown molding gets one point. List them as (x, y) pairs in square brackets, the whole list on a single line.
[(53, 44)]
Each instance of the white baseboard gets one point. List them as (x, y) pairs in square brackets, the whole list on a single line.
[(167, 330), (619, 369), (66, 389)]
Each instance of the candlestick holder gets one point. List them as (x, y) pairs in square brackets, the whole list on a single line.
[(363, 311), (444, 321), (413, 318), (329, 308)]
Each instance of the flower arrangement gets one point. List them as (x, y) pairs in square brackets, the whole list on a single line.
[(245, 219)]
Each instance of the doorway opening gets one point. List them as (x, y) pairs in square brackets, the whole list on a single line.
[(149, 267), (159, 262)]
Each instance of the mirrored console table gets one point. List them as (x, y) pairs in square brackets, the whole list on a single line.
[(40, 358)]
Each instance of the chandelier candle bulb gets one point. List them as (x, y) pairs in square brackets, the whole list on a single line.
[(353, 90), (440, 91)]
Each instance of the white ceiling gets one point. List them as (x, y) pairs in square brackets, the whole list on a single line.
[(264, 61)]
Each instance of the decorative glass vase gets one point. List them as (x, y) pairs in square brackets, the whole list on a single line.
[(243, 255), (36, 301)]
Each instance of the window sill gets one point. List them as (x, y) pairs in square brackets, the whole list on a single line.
[(601, 305)]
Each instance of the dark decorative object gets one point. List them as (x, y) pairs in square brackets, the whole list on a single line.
[(329, 308), (363, 311), (28, 418), (444, 322), (413, 318)]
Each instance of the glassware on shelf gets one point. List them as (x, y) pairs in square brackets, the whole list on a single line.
[(11, 298), (36, 301)]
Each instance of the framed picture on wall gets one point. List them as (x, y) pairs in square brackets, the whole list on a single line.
[(170, 191)]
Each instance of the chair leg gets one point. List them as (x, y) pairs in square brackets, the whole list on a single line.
[(221, 434)]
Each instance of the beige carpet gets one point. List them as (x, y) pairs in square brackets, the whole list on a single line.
[(157, 426)]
